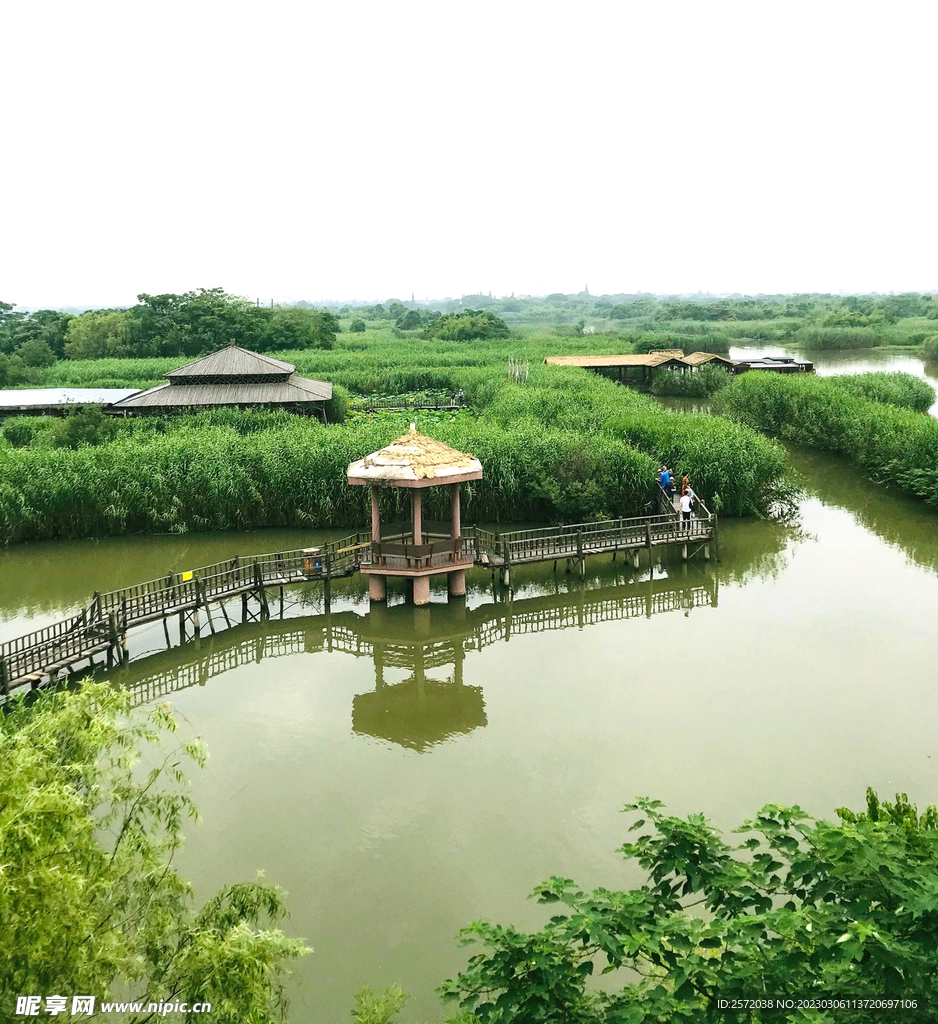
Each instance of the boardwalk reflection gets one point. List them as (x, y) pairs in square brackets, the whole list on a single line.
[(428, 645)]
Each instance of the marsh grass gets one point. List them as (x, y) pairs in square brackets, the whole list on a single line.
[(896, 445), (565, 445)]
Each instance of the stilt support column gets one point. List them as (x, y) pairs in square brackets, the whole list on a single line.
[(421, 589), (377, 588), (457, 583)]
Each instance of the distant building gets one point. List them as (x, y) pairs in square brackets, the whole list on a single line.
[(777, 364), (232, 377), (42, 401)]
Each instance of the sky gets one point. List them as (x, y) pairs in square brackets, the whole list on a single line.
[(373, 150)]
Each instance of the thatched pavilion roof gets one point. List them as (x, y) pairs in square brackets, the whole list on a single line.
[(415, 460)]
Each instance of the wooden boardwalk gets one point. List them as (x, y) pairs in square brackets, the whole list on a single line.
[(101, 628)]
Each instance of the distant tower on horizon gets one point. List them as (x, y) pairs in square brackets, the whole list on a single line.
[(586, 289), (411, 296)]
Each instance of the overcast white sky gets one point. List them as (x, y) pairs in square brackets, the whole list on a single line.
[(371, 150)]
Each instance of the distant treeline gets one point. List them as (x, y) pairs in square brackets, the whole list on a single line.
[(195, 322)]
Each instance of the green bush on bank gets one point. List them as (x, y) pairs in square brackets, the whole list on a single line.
[(893, 445)]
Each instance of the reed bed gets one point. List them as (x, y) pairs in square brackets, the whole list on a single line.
[(899, 389), (893, 445), (565, 445)]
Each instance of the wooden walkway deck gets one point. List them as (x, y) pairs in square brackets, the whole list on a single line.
[(101, 629)]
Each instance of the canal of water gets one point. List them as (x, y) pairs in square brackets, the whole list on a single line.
[(402, 772)]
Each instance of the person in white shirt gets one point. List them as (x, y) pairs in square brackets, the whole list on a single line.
[(686, 501)]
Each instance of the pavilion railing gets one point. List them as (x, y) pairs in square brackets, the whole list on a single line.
[(414, 557)]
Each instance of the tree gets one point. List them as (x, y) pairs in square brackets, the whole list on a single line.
[(98, 334), (324, 328), (36, 352), (409, 321), (802, 906), (357, 326), (89, 898), (14, 372), (471, 323), (195, 322)]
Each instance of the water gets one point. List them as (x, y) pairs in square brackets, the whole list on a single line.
[(402, 772), (860, 361)]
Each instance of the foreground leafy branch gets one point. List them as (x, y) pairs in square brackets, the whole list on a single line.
[(89, 898), (801, 906)]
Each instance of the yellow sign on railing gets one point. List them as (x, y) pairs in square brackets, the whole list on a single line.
[(185, 577)]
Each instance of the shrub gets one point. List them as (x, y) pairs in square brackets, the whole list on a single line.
[(357, 326), (22, 431), (86, 425)]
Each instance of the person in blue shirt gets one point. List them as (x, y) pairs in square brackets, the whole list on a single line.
[(664, 480)]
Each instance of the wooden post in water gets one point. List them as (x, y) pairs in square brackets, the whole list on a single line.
[(579, 552), (327, 581), (115, 649), (261, 592), (4, 677)]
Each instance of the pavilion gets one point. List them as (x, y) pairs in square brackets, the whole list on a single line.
[(416, 550), (232, 376)]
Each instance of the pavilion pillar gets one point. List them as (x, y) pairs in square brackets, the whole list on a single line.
[(377, 587), (375, 516), (416, 496), (421, 590), (456, 581), (457, 523)]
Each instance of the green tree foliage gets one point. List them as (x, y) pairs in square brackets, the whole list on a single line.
[(36, 352), (411, 320), (44, 325), (799, 906), (98, 335), (89, 897), (86, 425), (357, 326), (471, 323), (14, 372)]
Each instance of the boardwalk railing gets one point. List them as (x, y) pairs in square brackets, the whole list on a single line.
[(102, 626), (407, 555), (581, 539), (398, 403), (99, 627)]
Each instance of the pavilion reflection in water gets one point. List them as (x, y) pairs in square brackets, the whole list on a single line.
[(428, 645)]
